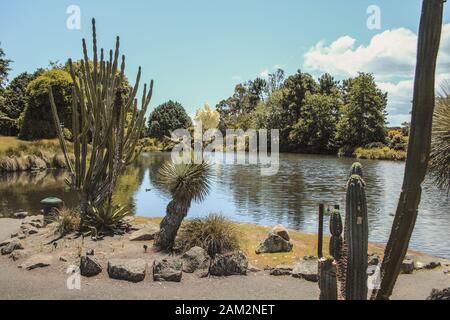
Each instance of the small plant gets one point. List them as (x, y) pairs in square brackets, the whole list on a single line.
[(65, 221), (214, 233), (106, 219)]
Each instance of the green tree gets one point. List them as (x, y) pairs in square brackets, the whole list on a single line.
[(4, 69), (167, 117), (363, 115), (38, 122)]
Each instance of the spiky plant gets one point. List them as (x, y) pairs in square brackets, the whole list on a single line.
[(100, 127), (185, 182), (440, 140)]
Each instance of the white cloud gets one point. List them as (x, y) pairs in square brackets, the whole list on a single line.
[(390, 56)]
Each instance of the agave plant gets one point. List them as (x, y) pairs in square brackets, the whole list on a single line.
[(107, 218), (440, 140), (185, 182)]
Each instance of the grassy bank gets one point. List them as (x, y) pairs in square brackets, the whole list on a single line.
[(385, 153)]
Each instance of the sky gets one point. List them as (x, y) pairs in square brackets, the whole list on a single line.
[(198, 50)]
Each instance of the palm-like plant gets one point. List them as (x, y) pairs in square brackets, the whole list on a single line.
[(440, 140), (185, 182)]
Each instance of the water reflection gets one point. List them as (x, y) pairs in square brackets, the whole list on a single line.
[(291, 197)]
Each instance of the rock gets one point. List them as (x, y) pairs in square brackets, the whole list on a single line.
[(90, 252), (127, 269), (14, 235), (63, 259), (13, 245), (306, 269), (33, 221), (148, 232), (6, 242), (373, 260), (194, 259), (165, 270), (21, 236), (32, 230), (274, 243), (231, 263), (37, 261), (407, 266), (439, 294), (432, 265), (18, 254), (89, 266), (281, 231), (20, 215), (419, 265), (251, 268), (281, 270)]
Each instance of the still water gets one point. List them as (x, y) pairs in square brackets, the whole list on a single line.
[(290, 197)]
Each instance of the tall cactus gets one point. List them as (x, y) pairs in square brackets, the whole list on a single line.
[(356, 239), (327, 279), (356, 169), (336, 241), (100, 124)]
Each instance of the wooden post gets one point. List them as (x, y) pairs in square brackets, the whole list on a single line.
[(418, 147), (320, 233)]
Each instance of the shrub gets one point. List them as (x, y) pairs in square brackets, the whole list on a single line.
[(65, 221), (384, 153), (168, 117), (214, 233), (106, 219)]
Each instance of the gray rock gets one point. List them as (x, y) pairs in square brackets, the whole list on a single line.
[(20, 215), (37, 261), (231, 263), (167, 270), (13, 245), (274, 243), (407, 266), (90, 252), (148, 232), (439, 294), (18, 254), (34, 221), (281, 231), (252, 268), (6, 242), (194, 259), (306, 269), (89, 266), (281, 270), (127, 269)]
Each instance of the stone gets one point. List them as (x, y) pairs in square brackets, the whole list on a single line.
[(148, 232), (32, 230), (274, 243), (227, 264), (194, 259), (13, 245), (90, 252), (33, 221), (280, 230), (18, 254), (20, 215), (6, 242), (306, 269), (428, 264), (37, 261), (127, 269), (407, 266), (281, 270), (439, 294), (252, 268), (89, 266), (167, 270)]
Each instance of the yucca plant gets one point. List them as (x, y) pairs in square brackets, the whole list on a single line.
[(105, 125), (185, 182), (108, 218), (440, 140)]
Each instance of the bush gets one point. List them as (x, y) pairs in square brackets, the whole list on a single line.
[(65, 221), (106, 219), (168, 117), (384, 153), (38, 119), (214, 233)]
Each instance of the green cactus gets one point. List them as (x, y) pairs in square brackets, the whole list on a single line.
[(356, 239), (327, 279), (103, 125), (336, 241), (356, 169)]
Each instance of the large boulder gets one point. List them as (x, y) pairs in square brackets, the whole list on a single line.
[(127, 269), (194, 259), (274, 243), (89, 266), (13, 245), (231, 263), (439, 294), (148, 232), (37, 261), (307, 269), (280, 230), (167, 270)]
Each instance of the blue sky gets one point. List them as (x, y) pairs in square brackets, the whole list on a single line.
[(198, 50)]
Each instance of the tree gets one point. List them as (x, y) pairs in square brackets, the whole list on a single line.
[(316, 127), (4, 69), (185, 182), (363, 115), (208, 117), (167, 117), (38, 122), (418, 148)]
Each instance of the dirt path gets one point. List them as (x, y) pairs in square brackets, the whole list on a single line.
[(8, 226)]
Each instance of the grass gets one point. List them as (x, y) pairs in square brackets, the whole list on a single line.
[(12, 146), (384, 153)]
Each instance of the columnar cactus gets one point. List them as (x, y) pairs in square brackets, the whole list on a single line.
[(356, 169), (336, 241), (327, 279), (356, 239)]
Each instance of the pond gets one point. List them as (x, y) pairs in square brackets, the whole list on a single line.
[(290, 197)]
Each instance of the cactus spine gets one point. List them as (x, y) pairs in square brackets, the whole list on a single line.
[(356, 238), (327, 279), (100, 124)]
